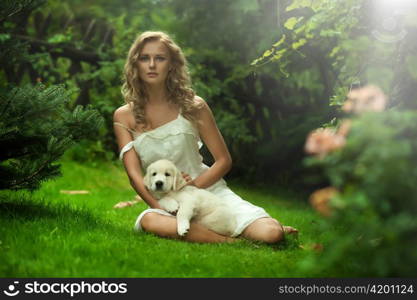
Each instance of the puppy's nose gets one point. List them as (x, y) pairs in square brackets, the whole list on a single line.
[(159, 184)]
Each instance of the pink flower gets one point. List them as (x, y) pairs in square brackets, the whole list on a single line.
[(320, 199), (322, 141), (368, 98), (344, 127)]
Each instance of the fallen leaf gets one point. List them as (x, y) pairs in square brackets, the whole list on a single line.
[(312, 247), (318, 247), (74, 192), (125, 204)]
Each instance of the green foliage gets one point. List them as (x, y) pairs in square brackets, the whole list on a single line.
[(35, 130), (246, 104), (319, 50), (376, 175), (316, 32), (91, 152), (323, 50)]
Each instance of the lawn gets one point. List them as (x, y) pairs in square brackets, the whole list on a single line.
[(52, 234)]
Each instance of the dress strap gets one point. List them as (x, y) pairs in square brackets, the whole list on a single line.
[(125, 127), (126, 148)]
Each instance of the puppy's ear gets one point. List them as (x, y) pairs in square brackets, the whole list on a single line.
[(179, 181), (147, 181)]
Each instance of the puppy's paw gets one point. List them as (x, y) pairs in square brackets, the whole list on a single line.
[(183, 232), (169, 204), (183, 228)]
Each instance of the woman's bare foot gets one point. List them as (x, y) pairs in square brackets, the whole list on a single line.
[(231, 239), (290, 230)]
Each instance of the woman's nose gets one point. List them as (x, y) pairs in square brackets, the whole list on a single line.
[(151, 63)]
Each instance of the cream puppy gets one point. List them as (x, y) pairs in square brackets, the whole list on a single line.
[(166, 183)]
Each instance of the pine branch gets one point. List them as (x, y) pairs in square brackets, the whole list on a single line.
[(36, 126), (15, 183), (8, 103)]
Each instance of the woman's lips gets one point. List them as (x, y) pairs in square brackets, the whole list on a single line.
[(152, 74)]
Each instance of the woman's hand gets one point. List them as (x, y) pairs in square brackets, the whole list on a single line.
[(187, 178)]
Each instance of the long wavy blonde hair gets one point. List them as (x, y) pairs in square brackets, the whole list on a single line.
[(178, 83)]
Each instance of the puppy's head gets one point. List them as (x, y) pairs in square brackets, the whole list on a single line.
[(163, 176)]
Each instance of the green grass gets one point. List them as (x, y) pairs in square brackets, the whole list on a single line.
[(50, 234)]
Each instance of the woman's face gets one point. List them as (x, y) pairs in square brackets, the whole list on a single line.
[(154, 63)]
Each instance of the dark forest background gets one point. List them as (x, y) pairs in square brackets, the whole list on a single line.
[(271, 70)]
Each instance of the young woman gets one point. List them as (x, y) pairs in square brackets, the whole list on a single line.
[(164, 119)]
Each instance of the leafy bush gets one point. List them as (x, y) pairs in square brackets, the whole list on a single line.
[(35, 130), (373, 196), (91, 152)]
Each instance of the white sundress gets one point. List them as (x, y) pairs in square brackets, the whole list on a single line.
[(179, 141)]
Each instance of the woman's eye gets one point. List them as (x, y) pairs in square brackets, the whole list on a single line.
[(160, 58), (167, 174), (143, 58)]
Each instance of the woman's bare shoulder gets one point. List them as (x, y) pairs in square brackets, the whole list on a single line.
[(200, 104), (203, 110), (123, 113), (198, 100)]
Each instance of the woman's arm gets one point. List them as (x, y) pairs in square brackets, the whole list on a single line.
[(131, 160), (214, 141)]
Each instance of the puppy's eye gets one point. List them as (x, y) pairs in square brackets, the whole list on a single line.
[(154, 174), (167, 174)]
